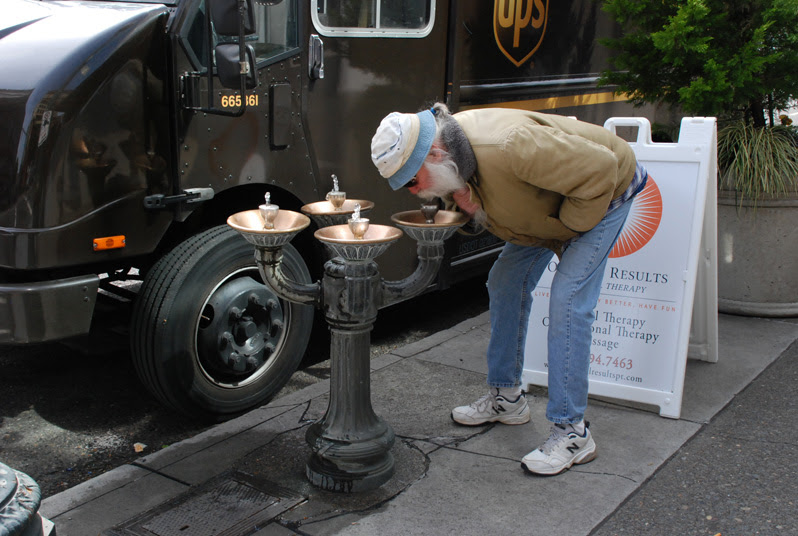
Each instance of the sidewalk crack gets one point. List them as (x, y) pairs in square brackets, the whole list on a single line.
[(160, 473), (577, 469), (303, 418), (492, 456)]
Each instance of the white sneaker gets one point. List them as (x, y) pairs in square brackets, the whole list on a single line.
[(493, 407), (564, 448)]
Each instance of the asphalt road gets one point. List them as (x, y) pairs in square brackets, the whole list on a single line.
[(736, 476), (67, 416)]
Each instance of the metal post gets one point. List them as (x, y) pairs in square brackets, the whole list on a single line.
[(351, 444)]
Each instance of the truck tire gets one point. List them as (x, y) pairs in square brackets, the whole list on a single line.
[(208, 338)]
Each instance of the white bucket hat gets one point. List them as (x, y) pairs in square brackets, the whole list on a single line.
[(401, 144)]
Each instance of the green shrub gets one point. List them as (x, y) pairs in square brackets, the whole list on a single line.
[(710, 57)]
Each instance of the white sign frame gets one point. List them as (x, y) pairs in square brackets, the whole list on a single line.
[(694, 329)]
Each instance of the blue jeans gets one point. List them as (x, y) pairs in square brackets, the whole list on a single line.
[(574, 293)]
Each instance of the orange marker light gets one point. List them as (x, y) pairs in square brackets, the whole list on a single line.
[(109, 242)]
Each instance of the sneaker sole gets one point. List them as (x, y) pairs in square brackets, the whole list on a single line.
[(585, 457), (504, 419)]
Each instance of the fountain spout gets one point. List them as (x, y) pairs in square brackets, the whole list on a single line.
[(268, 212), (335, 196), (358, 225)]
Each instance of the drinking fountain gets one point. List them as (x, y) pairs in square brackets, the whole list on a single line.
[(337, 209), (350, 444)]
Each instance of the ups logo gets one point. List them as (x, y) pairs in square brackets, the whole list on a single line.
[(519, 27)]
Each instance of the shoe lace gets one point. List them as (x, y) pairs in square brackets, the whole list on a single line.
[(485, 401), (558, 434)]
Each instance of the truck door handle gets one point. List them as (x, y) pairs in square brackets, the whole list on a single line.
[(189, 195), (316, 57)]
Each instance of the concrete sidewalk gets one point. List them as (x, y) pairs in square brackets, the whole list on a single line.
[(248, 474)]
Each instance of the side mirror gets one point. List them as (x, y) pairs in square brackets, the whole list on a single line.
[(229, 65), (224, 14)]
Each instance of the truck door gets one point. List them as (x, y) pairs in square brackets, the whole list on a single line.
[(208, 338), (266, 144), (378, 56)]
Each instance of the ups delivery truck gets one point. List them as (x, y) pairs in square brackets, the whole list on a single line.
[(130, 131)]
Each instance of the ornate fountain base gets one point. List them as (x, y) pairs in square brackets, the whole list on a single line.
[(351, 444)]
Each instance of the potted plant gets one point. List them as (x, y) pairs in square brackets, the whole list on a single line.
[(735, 61), (758, 220)]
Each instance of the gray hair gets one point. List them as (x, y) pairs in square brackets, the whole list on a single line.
[(451, 136)]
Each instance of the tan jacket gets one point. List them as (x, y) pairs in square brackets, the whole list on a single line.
[(541, 178)]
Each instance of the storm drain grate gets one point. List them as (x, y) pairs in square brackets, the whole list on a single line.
[(234, 504)]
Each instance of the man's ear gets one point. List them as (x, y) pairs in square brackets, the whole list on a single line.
[(435, 151)]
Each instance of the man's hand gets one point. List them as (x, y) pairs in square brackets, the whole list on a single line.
[(463, 199)]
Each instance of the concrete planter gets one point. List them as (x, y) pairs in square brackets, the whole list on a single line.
[(758, 256)]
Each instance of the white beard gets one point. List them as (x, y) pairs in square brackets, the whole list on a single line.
[(445, 178)]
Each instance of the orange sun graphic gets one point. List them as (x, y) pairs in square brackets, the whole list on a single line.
[(642, 222)]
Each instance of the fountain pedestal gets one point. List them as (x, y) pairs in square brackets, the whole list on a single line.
[(351, 445)]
